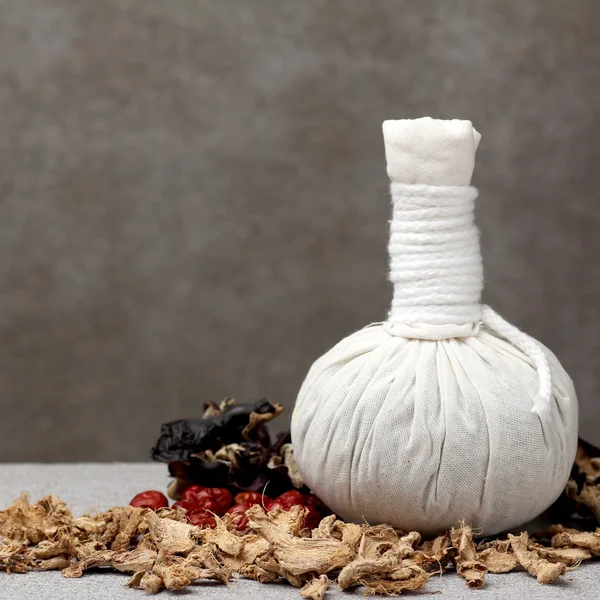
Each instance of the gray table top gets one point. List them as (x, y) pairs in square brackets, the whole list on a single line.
[(94, 487)]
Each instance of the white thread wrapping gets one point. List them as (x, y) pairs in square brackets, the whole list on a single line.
[(437, 273), (435, 258), (526, 344)]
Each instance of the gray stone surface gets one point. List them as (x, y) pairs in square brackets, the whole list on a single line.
[(90, 487), (193, 195)]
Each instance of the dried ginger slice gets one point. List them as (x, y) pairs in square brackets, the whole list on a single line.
[(497, 556), (63, 545), (253, 547), (259, 574), (151, 583), (221, 537), (129, 529), (210, 562), (404, 580), (579, 539), (432, 555), (498, 561), (292, 557), (385, 575), (385, 563), (127, 561), (34, 523), (175, 572), (378, 540), (590, 465), (170, 537), (56, 563), (316, 588), (468, 566), (534, 564), (12, 557), (589, 496), (570, 557), (331, 528)]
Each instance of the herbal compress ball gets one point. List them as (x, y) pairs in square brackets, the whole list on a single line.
[(444, 412)]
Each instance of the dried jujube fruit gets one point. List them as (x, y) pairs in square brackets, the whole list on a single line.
[(150, 499), (239, 510), (252, 498), (217, 500), (202, 519)]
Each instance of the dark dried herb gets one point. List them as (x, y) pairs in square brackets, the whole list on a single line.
[(184, 438), (579, 504), (229, 447)]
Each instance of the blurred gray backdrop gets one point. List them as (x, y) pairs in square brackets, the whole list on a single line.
[(194, 200)]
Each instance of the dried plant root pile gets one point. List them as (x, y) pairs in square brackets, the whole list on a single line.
[(160, 550)]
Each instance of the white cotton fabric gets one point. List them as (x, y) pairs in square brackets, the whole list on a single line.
[(430, 151), (422, 421)]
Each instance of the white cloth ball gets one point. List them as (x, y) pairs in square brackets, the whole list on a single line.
[(424, 434)]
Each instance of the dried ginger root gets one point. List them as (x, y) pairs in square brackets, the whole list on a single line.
[(497, 561), (467, 564), (296, 558), (544, 570), (316, 588), (579, 539), (162, 551), (385, 563)]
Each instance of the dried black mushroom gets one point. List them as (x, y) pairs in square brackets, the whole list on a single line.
[(229, 446)]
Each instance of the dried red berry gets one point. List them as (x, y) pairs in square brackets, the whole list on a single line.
[(239, 510), (181, 504), (252, 498), (217, 500), (202, 520), (204, 506), (289, 499), (312, 517), (150, 499), (312, 500), (191, 491), (222, 497)]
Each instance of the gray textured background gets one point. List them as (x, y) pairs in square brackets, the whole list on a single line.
[(193, 194)]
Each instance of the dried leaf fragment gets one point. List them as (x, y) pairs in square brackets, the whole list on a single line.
[(257, 418), (286, 459), (543, 570)]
